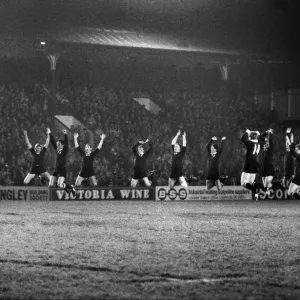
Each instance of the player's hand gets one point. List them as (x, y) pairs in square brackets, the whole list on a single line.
[(257, 132), (76, 135), (64, 131), (147, 140), (179, 132), (271, 130), (48, 131), (214, 138), (223, 138), (102, 136), (289, 130), (25, 132)]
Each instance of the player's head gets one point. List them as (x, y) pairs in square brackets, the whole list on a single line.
[(140, 150), (253, 136), (87, 149), (214, 148), (177, 148), (60, 144), (38, 148)]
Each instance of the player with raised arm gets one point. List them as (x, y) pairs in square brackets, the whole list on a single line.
[(289, 161), (294, 187), (87, 170), (250, 139), (38, 153), (140, 166), (178, 152), (60, 172), (268, 171), (213, 176)]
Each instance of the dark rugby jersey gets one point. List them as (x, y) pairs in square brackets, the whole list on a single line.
[(252, 152), (88, 160), (289, 162), (141, 161), (177, 161), (213, 161), (38, 158), (297, 156), (267, 152), (61, 157)]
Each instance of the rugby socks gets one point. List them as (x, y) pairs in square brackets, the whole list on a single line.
[(296, 196), (250, 187)]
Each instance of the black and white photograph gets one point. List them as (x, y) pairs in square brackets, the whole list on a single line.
[(150, 149)]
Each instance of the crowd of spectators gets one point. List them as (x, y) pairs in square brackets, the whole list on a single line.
[(114, 112)]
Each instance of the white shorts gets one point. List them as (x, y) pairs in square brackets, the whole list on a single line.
[(247, 178)]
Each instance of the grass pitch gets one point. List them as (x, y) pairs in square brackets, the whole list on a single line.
[(150, 250)]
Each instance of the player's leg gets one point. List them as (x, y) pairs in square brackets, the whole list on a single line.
[(151, 175), (52, 181), (93, 180), (256, 186), (46, 175), (210, 184), (287, 181), (264, 181), (146, 181), (293, 191), (246, 179), (219, 185), (223, 178), (171, 182), (134, 182), (268, 184), (28, 178), (67, 187), (61, 182), (79, 180), (183, 182)]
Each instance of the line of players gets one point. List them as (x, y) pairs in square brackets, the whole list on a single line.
[(253, 140)]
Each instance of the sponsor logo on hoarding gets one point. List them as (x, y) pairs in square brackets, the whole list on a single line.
[(227, 193), (24, 193), (274, 194), (104, 194), (166, 193), (201, 193)]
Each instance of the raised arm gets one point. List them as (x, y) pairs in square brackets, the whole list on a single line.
[(208, 144), (270, 133), (148, 152), (184, 140), (76, 135), (289, 139), (48, 138), (102, 137), (175, 138), (246, 135), (292, 149), (53, 142), (222, 145), (66, 146), (291, 145), (27, 140)]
